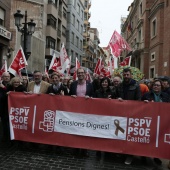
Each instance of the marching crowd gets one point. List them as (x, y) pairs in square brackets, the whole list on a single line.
[(120, 88)]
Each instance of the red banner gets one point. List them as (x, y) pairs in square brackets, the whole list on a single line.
[(130, 127)]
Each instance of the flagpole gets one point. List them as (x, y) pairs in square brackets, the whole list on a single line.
[(26, 72)]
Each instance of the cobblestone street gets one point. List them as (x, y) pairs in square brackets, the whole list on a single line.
[(21, 156)]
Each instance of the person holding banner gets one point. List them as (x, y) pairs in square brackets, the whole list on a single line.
[(129, 89), (38, 85), (156, 95), (105, 91), (15, 85), (81, 88), (4, 106), (57, 87)]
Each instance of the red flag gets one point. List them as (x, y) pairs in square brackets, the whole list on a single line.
[(4, 68), (54, 63), (118, 44), (18, 63), (88, 76), (126, 61), (110, 67), (129, 28), (97, 69), (77, 66), (64, 60)]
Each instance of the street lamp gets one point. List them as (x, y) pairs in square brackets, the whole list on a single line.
[(26, 30)]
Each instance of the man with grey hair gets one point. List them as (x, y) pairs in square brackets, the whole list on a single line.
[(38, 85), (116, 81)]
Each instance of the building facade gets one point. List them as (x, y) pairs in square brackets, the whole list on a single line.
[(50, 17), (94, 38), (88, 49), (146, 29), (75, 22), (5, 33), (56, 23)]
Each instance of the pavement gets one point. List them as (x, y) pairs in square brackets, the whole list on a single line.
[(18, 155)]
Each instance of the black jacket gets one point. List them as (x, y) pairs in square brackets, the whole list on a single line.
[(20, 88), (109, 93), (150, 96), (129, 91), (58, 92), (89, 88)]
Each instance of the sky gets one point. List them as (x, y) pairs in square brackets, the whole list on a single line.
[(106, 15)]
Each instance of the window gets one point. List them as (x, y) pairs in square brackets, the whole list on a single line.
[(153, 56), (81, 29), (77, 25), (82, 14), (85, 4), (53, 2), (85, 28), (67, 36), (139, 35), (72, 55), (153, 28), (152, 72), (81, 44), (77, 56), (64, 13), (73, 19), (63, 30), (85, 16), (77, 41), (140, 9), (51, 20), (2, 17), (68, 17), (50, 42), (78, 9), (72, 37), (74, 3)]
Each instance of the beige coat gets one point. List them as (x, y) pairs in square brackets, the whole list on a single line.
[(43, 88)]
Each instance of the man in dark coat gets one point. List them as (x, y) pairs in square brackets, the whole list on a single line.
[(129, 89), (81, 87), (4, 105)]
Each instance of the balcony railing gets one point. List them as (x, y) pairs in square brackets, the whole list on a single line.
[(52, 2)]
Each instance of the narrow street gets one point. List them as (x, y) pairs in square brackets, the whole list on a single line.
[(26, 156)]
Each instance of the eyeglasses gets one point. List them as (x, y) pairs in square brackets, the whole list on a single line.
[(156, 85), (80, 73)]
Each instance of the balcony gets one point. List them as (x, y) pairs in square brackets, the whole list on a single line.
[(51, 2), (91, 49), (49, 52), (89, 15), (52, 9), (89, 4), (88, 25)]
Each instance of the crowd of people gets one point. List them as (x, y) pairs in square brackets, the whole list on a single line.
[(117, 87)]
